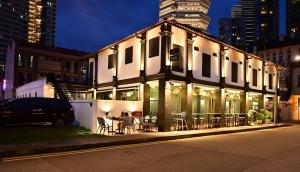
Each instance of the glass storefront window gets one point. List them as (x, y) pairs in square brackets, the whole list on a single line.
[(204, 100), (154, 97), (105, 95), (176, 98), (233, 102), (128, 95)]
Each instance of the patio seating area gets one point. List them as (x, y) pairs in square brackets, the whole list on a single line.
[(125, 124)]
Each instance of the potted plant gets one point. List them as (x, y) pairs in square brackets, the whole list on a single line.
[(266, 115), (252, 116), (259, 119)]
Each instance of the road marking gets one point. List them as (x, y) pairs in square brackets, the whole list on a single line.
[(30, 157)]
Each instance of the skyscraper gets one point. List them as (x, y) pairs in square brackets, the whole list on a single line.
[(236, 11), (232, 29), (190, 12), (293, 18), (250, 13), (30, 20), (269, 20)]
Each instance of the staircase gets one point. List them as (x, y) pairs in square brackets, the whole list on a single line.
[(67, 90)]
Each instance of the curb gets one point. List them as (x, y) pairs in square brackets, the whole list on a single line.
[(27, 152)]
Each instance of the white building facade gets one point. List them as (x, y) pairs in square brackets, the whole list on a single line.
[(171, 69)]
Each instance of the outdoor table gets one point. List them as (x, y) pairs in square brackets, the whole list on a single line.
[(120, 121)]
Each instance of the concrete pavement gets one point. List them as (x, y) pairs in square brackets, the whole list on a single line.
[(265, 150), (107, 141)]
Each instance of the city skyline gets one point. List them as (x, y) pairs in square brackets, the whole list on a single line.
[(90, 18)]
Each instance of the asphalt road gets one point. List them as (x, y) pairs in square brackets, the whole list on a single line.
[(268, 150)]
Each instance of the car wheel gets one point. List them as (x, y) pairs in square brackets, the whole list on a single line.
[(59, 122)]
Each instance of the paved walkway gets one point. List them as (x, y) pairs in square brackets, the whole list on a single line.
[(93, 142)]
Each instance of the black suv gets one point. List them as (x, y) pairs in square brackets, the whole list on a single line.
[(36, 110)]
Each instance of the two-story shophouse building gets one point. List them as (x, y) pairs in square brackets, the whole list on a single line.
[(175, 68)]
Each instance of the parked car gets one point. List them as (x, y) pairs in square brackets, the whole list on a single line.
[(36, 110)]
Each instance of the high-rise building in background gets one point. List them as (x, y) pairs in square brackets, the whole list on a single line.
[(268, 20), (236, 11), (293, 18), (250, 13), (252, 24), (232, 31), (29, 20), (190, 12)]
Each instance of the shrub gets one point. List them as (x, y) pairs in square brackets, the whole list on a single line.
[(265, 114)]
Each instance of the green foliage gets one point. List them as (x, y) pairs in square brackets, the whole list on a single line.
[(262, 114), (253, 115), (265, 114)]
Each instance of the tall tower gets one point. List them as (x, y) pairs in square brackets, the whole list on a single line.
[(29, 20), (293, 18), (190, 12), (250, 13), (269, 20)]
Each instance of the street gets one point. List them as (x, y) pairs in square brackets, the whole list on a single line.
[(265, 150)]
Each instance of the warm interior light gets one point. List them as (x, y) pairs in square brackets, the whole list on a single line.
[(297, 58)]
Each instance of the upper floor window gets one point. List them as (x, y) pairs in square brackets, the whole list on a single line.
[(177, 64), (270, 81), (154, 47), (110, 63), (206, 65), (29, 77), (254, 77), (20, 60), (128, 55), (234, 72), (76, 67), (68, 67), (30, 62)]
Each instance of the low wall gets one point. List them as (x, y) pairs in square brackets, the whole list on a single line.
[(87, 111)]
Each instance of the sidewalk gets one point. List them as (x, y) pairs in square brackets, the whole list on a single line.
[(106, 141)]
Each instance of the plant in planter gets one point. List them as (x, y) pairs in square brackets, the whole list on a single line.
[(253, 116), (259, 119), (266, 116)]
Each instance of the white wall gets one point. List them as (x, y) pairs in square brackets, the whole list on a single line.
[(255, 64), (153, 64), (179, 38), (237, 57), (131, 70), (86, 115), (270, 70), (208, 47), (104, 74), (39, 88)]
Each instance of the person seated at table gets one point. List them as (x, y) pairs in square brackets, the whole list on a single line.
[(108, 115), (121, 125)]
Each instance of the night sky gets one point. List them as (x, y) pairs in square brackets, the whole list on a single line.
[(91, 24)]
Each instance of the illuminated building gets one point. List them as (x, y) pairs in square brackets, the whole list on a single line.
[(171, 68), (29, 20), (293, 18), (191, 12)]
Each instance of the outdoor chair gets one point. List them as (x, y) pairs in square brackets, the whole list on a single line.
[(130, 124), (195, 121), (152, 123), (103, 126), (146, 123), (182, 122)]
